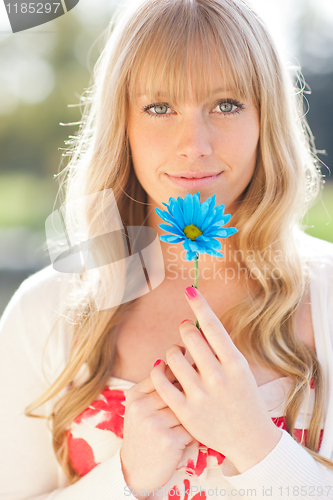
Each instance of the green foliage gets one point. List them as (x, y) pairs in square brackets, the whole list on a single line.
[(319, 219), (26, 200)]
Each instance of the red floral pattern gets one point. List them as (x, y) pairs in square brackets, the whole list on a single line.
[(281, 422), (201, 463), (111, 404), (175, 493), (109, 409), (82, 455)]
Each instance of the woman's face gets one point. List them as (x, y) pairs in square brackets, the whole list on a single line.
[(214, 141)]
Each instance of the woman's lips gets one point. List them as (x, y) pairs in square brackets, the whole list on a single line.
[(194, 183)]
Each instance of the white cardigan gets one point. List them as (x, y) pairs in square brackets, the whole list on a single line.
[(28, 467)]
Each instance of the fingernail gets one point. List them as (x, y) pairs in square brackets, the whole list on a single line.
[(157, 362), (191, 292), (184, 321)]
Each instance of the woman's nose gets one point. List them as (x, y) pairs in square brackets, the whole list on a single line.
[(194, 138)]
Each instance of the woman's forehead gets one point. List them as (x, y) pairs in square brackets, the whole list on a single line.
[(193, 87), (142, 91), (197, 57)]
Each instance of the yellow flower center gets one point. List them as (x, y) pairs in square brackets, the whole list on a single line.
[(192, 231)]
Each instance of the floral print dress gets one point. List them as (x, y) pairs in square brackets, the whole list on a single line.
[(96, 434)]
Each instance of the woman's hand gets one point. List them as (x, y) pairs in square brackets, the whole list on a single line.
[(153, 437), (220, 405)]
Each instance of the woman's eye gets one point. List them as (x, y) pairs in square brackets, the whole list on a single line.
[(163, 109), (228, 107), (160, 110)]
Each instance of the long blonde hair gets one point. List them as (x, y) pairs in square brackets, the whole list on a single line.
[(168, 43)]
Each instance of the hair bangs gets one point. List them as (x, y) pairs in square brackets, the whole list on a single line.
[(181, 56)]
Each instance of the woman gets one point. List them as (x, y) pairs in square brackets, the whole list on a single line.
[(184, 89)]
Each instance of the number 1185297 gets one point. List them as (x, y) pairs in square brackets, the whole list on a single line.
[(33, 8), (305, 491)]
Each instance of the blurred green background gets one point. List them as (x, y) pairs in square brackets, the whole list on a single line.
[(47, 68)]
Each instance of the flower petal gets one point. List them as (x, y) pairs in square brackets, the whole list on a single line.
[(207, 222), (215, 244), (188, 209), (172, 200), (161, 213), (218, 215), (201, 246), (201, 216), (180, 202), (171, 229), (202, 250), (221, 221), (196, 210), (204, 239), (212, 201), (204, 212), (193, 246), (210, 242), (167, 217), (220, 209), (214, 253), (226, 232), (186, 244), (170, 238), (190, 255), (177, 213)]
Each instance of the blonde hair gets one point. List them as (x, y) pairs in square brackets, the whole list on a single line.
[(165, 43)]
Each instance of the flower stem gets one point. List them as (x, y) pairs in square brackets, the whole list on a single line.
[(196, 281)]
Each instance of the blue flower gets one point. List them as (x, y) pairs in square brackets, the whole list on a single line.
[(195, 225)]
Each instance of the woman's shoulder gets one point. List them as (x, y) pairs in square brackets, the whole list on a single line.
[(317, 252), (34, 319), (42, 291), (44, 277)]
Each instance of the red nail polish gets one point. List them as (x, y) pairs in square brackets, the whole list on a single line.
[(184, 321), (157, 362), (191, 292)]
